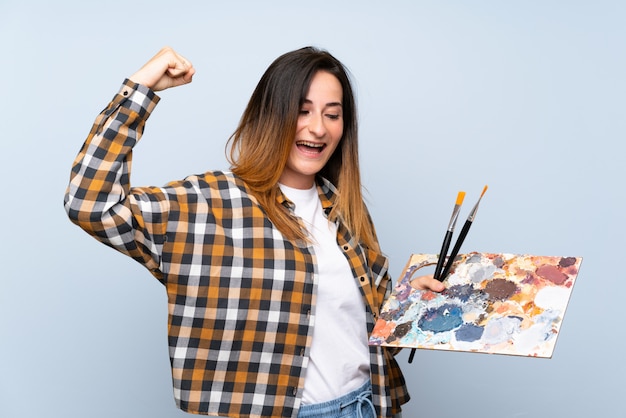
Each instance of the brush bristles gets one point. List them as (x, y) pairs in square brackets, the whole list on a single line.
[(459, 198)]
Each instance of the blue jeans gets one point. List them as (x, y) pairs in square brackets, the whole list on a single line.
[(356, 404)]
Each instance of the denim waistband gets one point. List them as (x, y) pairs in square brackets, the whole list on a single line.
[(357, 403)]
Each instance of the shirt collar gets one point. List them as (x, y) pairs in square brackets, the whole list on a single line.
[(326, 190)]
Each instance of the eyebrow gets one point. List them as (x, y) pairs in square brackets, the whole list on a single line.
[(331, 104)]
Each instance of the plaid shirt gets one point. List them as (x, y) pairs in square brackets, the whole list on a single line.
[(241, 297)]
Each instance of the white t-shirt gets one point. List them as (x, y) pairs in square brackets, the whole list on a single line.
[(339, 359)]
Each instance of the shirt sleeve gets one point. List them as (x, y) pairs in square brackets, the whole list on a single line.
[(99, 198)]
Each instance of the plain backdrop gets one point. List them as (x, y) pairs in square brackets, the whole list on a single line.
[(525, 96)]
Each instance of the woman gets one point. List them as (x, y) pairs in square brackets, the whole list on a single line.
[(273, 271)]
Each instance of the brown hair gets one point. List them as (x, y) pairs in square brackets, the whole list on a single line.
[(261, 144)]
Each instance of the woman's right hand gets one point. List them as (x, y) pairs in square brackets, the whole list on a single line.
[(166, 69)]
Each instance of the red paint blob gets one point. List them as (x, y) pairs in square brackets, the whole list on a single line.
[(552, 273), (428, 295)]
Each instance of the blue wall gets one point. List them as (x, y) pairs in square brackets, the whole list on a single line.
[(527, 97)]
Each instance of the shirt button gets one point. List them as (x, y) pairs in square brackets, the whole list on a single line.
[(362, 279), (346, 248), (294, 391), (125, 93)]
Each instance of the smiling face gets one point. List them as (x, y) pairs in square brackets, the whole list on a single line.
[(318, 132)]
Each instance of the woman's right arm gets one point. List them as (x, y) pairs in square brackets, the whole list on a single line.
[(99, 197)]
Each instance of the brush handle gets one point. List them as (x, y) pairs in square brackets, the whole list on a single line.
[(412, 355), (455, 250), (442, 254)]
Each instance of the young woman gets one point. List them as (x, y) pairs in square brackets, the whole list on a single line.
[(273, 272)]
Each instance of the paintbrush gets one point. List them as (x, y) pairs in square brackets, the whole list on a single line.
[(461, 238), (448, 237), (446, 244)]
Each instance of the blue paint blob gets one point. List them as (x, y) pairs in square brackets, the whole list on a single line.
[(445, 318), (469, 333)]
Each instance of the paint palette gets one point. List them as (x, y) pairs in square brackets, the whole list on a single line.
[(493, 303)]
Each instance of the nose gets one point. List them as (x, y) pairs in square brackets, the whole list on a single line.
[(317, 126)]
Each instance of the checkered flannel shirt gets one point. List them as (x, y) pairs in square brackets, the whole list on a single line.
[(241, 297)]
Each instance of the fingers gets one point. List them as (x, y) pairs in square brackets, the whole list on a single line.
[(427, 283), (178, 66), (176, 76)]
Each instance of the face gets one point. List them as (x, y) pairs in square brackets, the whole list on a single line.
[(319, 130)]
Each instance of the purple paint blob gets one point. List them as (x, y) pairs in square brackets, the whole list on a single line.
[(567, 261), (395, 313), (444, 318), (462, 292), (404, 290), (498, 262), (469, 333)]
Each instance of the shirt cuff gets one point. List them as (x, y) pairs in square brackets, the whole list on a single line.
[(138, 97)]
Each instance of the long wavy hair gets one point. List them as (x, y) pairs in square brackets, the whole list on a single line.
[(260, 146)]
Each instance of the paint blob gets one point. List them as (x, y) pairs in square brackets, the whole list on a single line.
[(469, 333), (552, 273), (461, 292), (500, 289), (444, 318), (402, 329), (551, 297)]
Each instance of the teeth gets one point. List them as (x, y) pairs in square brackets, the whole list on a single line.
[(310, 144)]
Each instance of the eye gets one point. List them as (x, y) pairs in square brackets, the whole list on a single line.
[(303, 112), (333, 117)]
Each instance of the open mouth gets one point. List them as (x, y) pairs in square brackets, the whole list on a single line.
[(310, 146)]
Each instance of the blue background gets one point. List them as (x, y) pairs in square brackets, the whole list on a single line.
[(525, 96)]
